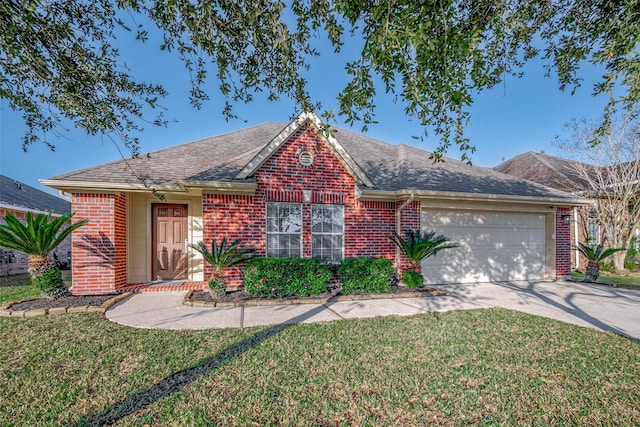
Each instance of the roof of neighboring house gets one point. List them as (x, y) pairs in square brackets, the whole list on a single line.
[(382, 167), (20, 196), (544, 169)]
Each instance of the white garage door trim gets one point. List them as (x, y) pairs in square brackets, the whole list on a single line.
[(493, 246)]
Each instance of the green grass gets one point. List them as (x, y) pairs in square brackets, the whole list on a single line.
[(19, 287), (489, 367), (626, 282)]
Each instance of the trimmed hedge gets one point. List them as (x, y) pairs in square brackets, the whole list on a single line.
[(286, 277), (366, 275)]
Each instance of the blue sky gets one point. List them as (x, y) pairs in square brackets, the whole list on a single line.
[(518, 116)]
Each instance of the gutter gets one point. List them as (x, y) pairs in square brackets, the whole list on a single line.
[(398, 224), (382, 195)]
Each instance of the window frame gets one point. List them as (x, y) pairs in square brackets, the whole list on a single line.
[(341, 234), (279, 233)]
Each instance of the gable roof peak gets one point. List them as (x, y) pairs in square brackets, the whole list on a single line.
[(306, 118)]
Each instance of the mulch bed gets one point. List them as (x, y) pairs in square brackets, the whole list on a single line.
[(71, 301), (241, 295)]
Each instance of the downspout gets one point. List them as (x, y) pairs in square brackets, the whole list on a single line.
[(575, 234), (63, 194), (398, 223)]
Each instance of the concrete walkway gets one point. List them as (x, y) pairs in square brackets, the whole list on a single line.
[(595, 306)]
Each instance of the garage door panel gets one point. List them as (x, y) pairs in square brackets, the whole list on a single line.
[(492, 246)]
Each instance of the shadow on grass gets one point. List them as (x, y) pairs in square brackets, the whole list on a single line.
[(177, 381)]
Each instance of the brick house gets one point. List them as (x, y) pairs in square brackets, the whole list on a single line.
[(561, 174), (17, 199), (297, 190)]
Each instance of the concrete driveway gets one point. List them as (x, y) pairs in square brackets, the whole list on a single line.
[(595, 306)]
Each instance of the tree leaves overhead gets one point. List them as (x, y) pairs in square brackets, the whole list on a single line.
[(59, 58)]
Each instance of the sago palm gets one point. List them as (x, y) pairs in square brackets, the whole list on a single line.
[(37, 238), (418, 247), (222, 257), (594, 256)]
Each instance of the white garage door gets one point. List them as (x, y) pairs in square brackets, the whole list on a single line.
[(491, 246)]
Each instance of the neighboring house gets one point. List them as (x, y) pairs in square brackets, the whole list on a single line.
[(542, 168), (18, 198), (296, 190), (561, 174)]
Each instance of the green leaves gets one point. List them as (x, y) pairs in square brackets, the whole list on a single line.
[(222, 256), (39, 235), (58, 59), (596, 253), (418, 246)]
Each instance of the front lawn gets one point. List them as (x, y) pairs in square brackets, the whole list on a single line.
[(19, 287), (631, 281), (490, 366)]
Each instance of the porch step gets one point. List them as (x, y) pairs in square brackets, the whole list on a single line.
[(173, 286)]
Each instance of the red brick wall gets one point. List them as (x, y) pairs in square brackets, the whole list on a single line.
[(282, 179), (563, 244), (99, 248)]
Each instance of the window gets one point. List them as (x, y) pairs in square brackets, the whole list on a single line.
[(284, 230), (593, 233), (327, 232)]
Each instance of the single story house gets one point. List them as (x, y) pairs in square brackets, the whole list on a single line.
[(18, 198), (296, 189)]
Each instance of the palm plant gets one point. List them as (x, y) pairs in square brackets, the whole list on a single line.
[(37, 238), (595, 254), (222, 257), (418, 247)]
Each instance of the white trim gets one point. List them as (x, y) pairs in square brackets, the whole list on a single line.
[(266, 226), (336, 148), (425, 195), (322, 205)]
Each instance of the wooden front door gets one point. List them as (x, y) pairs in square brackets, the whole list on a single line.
[(169, 242)]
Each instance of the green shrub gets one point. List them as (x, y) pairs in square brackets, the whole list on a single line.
[(286, 277), (369, 275), (607, 266), (50, 282), (217, 287), (412, 279)]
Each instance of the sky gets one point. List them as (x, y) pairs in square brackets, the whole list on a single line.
[(517, 116)]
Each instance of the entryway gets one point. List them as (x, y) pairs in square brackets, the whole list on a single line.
[(169, 241)]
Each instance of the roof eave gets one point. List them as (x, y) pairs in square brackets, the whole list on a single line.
[(221, 187), (11, 207), (381, 195), (182, 186), (106, 187)]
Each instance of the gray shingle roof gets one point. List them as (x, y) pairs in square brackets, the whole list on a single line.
[(24, 197), (544, 169), (390, 167)]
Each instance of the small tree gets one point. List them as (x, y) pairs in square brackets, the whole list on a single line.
[(37, 238), (610, 166), (418, 247), (222, 257), (594, 256)]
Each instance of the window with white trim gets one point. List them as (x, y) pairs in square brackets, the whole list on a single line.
[(593, 233), (284, 230), (327, 232)]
